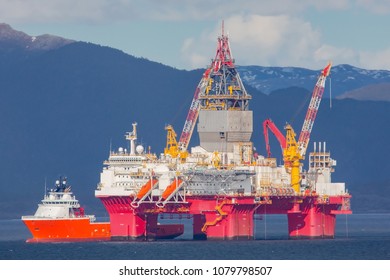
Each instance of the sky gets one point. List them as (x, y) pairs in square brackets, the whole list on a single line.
[(183, 33)]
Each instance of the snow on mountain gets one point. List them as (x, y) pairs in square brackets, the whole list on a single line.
[(343, 78), (11, 39)]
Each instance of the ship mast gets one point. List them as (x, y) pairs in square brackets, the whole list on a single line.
[(132, 137)]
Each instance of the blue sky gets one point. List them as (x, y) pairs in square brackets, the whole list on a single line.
[(182, 33)]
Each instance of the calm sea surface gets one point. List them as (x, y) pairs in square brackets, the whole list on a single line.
[(358, 237)]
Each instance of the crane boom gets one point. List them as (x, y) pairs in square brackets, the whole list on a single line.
[(269, 124), (311, 113), (294, 152), (193, 113)]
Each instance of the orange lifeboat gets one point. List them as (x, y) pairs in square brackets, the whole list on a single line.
[(171, 188), (146, 188)]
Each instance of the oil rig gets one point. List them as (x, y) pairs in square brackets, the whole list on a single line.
[(222, 183)]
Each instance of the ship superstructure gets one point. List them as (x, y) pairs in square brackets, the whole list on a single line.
[(60, 217), (128, 185), (222, 183)]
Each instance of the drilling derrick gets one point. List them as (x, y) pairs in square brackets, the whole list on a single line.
[(224, 115)]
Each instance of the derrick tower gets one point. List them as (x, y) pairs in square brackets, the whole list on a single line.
[(224, 116)]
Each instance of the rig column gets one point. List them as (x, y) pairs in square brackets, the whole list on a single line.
[(312, 221), (229, 219)]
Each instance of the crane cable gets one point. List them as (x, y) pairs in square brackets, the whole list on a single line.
[(330, 92)]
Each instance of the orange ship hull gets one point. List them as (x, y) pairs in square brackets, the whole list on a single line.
[(59, 230)]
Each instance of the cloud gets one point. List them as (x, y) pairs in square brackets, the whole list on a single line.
[(379, 59), (261, 32), (258, 40), (277, 41), (54, 11), (375, 60), (192, 57), (381, 7), (337, 55), (210, 10), (102, 11), (169, 10)]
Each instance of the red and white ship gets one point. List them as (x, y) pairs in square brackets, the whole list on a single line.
[(60, 218)]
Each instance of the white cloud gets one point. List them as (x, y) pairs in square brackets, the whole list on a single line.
[(379, 59), (193, 57), (169, 10), (209, 10), (337, 55), (50, 11), (261, 40), (261, 32), (381, 7), (375, 60), (277, 41)]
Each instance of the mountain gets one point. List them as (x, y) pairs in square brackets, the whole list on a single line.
[(374, 92), (343, 78), (12, 40), (62, 109)]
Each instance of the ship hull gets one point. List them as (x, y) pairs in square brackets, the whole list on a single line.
[(67, 230)]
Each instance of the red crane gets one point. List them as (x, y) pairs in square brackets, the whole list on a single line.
[(311, 114), (269, 124), (193, 113)]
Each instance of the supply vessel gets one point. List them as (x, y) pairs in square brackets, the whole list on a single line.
[(60, 218), (223, 182)]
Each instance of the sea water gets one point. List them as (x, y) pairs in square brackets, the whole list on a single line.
[(358, 237)]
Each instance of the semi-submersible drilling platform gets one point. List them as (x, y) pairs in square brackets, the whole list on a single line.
[(222, 183)]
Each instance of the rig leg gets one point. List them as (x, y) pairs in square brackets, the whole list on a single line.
[(314, 221), (236, 224)]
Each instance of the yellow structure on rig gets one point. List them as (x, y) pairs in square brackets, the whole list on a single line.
[(292, 158), (172, 147), (294, 151)]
